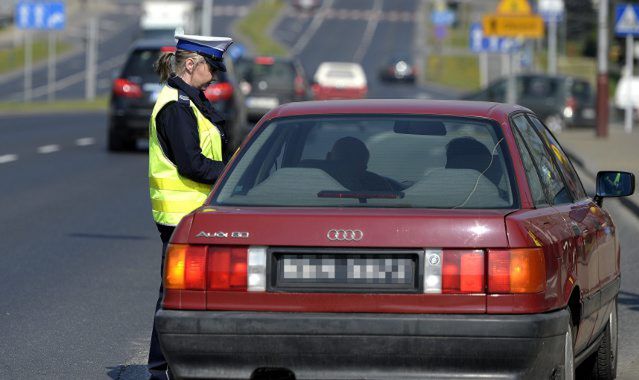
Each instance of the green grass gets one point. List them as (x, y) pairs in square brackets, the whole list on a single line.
[(12, 59), (99, 104), (255, 24), (460, 72)]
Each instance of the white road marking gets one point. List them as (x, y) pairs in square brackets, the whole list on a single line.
[(8, 158), (45, 149), (318, 19), (85, 141), (369, 32)]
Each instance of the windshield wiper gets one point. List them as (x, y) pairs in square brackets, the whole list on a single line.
[(361, 195)]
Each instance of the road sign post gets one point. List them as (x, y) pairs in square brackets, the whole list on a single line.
[(552, 12), (39, 15), (627, 25)]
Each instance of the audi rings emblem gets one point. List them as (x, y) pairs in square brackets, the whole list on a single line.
[(345, 235)]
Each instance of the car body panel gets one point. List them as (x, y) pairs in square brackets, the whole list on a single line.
[(580, 251)]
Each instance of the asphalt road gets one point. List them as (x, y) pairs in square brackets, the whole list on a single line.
[(81, 255)]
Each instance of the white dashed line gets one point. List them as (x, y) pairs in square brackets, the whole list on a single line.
[(48, 149), (85, 141), (8, 158)]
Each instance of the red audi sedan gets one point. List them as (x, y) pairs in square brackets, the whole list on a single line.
[(390, 239)]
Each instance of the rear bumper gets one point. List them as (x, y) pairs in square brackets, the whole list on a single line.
[(232, 345)]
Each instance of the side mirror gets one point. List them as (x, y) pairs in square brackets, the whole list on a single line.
[(614, 184)]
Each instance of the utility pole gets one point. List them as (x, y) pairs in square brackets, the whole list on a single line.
[(91, 58), (602, 70), (207, 17), (552, 46)]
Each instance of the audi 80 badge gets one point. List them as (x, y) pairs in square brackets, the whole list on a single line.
[(392, 239)]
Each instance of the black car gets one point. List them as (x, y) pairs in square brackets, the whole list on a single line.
[(561, 101), (268, 82), (137, 86), (398, 68)]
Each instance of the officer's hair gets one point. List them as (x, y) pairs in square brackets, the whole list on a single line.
[(174, 63)]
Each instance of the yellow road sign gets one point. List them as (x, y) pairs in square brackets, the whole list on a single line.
[(513, 26), (514, 7)]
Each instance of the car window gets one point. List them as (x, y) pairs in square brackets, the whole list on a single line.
[(581, 90), (532, 173), (570, 175), (140, 65), (539, 87), (373, 161), (277, 74), (557, 191)]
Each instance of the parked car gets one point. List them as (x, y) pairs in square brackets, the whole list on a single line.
[(560, 101), (339, 80), (386, 239), (137, 86), (268, 82), (398, 69)]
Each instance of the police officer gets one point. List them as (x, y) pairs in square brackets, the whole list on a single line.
[(186, 143)]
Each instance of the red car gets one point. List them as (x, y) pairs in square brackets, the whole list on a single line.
[(387, 239)]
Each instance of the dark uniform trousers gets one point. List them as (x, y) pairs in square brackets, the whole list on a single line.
[(157, 363)]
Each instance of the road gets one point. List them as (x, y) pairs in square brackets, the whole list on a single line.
[(80, 253)]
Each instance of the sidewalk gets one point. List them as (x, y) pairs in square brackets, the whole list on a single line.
[(620, 151)]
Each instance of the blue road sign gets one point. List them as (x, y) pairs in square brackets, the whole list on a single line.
[(443, 17), (40, 15), (626, 23), (479, 43)]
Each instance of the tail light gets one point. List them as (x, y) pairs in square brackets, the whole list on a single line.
[(219, 91), (126, 89), (264, 60), (463, 271), (569, 107), (300, 88), (516, 271), (219, 268), (472, 271)]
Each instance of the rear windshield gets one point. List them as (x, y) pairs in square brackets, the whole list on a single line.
[(373, 161), (277, 74), (581, 90), (140, 65)]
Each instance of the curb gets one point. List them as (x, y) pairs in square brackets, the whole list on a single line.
[(630, 205)]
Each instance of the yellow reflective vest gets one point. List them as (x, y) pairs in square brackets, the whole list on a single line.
[(172, 195)]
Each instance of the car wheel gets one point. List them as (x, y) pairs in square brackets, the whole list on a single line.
[(569, 353), (604, 361), (555, 123)]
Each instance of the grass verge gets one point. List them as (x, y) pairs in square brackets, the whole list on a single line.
[(99, 104), (460, 72), (12, 59), (255, 25)]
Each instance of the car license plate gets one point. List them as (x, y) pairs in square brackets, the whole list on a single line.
[(262, 102), (347, 271), (588, 113)]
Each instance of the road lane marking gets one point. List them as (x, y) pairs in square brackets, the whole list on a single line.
[(310, 31), (85, 141), (8, 158), (369, 32), (45, 149)]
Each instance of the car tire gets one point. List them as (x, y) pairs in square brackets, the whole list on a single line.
[(555, 123), (603, 363)]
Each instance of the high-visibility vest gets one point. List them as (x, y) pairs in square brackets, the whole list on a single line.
[(173, 195)]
